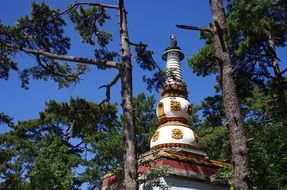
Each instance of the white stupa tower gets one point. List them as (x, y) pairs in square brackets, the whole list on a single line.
[(174, 144), (174, 109)]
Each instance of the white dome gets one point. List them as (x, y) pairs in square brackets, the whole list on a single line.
[(175, 135), (171, 107)]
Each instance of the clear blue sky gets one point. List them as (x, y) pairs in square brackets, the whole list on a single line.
[(149, 21)]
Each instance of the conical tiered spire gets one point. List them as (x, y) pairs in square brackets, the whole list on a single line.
[(174, 109), (173, 56)]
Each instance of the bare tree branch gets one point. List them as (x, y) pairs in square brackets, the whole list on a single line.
[(75, 6), (282, 72), (271, 53), (39, 60), (205, 29), (263, 74), (97, 4), (134, 44), (108, 88), (78, 145), (104, 64), (145, 45), (259, 58)]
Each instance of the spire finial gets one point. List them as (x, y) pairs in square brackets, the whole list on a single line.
[(173, 41), (173, 55), (173, 47)]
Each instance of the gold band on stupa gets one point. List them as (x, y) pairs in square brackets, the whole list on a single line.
[(174, 90)]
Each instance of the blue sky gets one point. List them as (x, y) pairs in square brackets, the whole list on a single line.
[(149, 21)]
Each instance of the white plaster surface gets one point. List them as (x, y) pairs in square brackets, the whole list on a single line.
[(173, 67), (165, 136), (186, 184), (184, 103)]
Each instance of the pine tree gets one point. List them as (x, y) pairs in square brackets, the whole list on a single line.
[(41, 36), (45, 153), (231, 105)]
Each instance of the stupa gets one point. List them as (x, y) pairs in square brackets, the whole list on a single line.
[(174, 145)]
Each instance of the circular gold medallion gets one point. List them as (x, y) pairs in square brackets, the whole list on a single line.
[(177, 134), (175, 106), (155, 136)]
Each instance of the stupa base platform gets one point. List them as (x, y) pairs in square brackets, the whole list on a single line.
[(188, 170)]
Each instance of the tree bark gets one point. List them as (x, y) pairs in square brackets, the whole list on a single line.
[(281, 99), (230, 100), (83, 60), (130, 160)]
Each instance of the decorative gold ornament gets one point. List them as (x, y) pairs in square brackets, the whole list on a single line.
[(177, 134), (164, 119), (189, 110), (155, 136), (176, 123), (175, 105), (160, 109), (170, 90), (172, 145)]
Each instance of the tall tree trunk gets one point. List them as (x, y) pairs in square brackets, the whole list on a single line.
[(130, 160), (230, 100), (281, 99)]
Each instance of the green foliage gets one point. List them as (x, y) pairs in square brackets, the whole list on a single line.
[(215, 141), (53, 167), (268, 155), (267, 152), (152, 179), (203, 63), (195, 121), (88, 22), (262, 107), (250, 25), (6, 64), (42, 30), (5, 119), (146, 121), (144, 57), (212, 111), (226, 174), (254, 22), (266, 140), (83, 116), (156, 81), (62, 73), (43, 153)]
